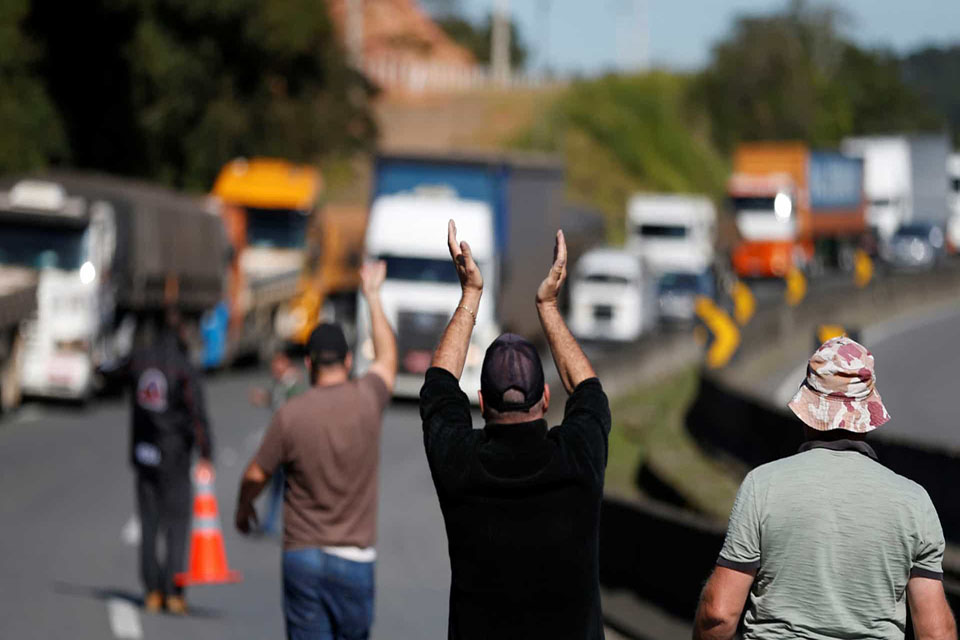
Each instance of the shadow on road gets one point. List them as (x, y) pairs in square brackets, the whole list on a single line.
[(114, 593)]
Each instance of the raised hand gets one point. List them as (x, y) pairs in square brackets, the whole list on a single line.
[(550, 287), (372, 275), (467, 270)]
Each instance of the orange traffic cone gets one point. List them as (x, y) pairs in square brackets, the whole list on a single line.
[(208, 557)]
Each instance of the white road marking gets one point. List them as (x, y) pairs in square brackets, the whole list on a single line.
[(871, 336), (130, 532), (788, 388), (124, 619), (884, 331)]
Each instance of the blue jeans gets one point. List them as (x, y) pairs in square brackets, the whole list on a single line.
[(326, 597)]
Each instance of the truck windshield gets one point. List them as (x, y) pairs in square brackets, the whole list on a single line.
[(276, 228), (662, 231), (752, 203), (680, 282), (420, 269), (915, 231), (42, 246), (606, 278)]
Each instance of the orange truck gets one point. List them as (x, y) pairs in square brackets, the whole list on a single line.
[(291, 257), (795, 208)]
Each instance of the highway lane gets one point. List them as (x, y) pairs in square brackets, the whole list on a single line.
[(917, 364), (67, 494)]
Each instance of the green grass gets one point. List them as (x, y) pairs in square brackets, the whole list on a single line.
[(648, 428), (626, 133)]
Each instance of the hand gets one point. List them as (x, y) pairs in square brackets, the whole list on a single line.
[(550, 287), (372, 275), (467, 270), (246, 518)]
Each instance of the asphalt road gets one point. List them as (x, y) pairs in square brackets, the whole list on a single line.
[(917, 364), (67, 499)]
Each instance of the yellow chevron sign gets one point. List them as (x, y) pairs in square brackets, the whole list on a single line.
[(726, 335), (796, 287), (744, 304), (862, 269)]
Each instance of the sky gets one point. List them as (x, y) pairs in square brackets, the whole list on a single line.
[(591, 36)]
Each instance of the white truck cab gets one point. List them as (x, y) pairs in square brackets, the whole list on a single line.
[(44, 230), (886, 180), (408, 231), (612, 297), (671, 232)]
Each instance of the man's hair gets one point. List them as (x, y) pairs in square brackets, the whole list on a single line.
[(316, 367), (513, 396)]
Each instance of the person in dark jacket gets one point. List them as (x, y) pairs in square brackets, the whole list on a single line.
[(521, 502), (169, 420)]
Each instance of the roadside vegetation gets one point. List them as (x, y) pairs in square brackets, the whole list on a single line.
[(648, 429), (790, 75)]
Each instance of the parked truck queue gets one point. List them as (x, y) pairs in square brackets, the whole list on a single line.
[(262, 260)]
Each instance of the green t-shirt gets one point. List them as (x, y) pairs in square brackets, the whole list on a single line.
[(834, 537)]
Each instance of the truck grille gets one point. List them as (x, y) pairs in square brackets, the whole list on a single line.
[(417, 335), (603, 312)]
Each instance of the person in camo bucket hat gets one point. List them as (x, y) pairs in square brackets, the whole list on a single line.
[(840, 391), (829, 543)]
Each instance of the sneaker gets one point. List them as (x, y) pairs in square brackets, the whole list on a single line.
[(176, 605), (153, 602)]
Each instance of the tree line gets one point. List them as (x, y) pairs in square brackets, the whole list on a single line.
[(171, 89)]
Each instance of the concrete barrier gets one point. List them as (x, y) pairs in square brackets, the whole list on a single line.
[(659, 553), (728, 422)]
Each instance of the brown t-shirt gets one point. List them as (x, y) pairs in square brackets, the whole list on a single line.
[(328, 441)]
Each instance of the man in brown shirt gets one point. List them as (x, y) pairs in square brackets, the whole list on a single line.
[(328, 442)]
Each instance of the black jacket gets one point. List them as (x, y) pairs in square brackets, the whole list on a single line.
[(169, 414), (521, 505)]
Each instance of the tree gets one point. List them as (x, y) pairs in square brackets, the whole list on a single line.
[(792, 75), (32, 130), (933, 73), (172, 89), (476, 38)]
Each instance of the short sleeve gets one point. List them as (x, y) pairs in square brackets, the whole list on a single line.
[(928, 560), (741, 547), (375, 385), (270, 455)]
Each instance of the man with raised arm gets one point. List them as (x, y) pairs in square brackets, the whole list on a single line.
[(327, 440), (521, 502)]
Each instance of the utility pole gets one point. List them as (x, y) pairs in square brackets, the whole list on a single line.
[(354, 33), (500, 43)]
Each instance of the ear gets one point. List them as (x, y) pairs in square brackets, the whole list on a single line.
[(546, 397), (348, 361), (480, 396)]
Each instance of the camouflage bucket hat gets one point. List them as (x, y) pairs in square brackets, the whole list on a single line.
[(839, 391)]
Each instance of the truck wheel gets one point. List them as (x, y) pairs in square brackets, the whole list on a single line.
[(10, 392)]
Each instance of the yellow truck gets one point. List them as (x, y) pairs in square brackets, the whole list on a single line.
[(291, 257)]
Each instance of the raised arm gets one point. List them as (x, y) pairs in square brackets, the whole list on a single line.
[(572, 364), (372, 275), (451, 353)]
